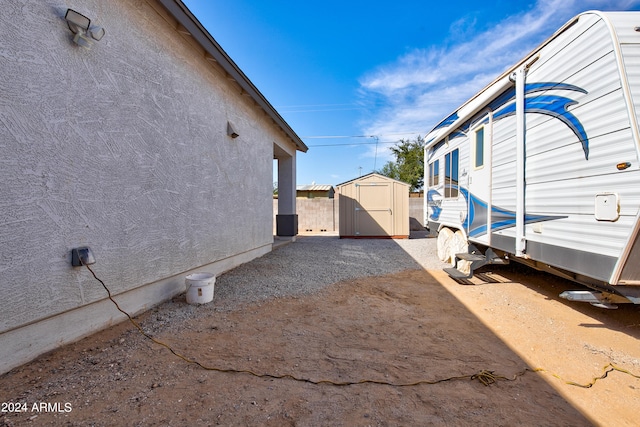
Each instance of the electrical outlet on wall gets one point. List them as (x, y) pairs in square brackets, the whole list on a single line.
[(82, 256)]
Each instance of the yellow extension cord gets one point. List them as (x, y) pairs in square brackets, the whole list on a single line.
[(485, 377)]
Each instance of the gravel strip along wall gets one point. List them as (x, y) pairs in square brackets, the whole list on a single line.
[(303, 267), (313, 262)]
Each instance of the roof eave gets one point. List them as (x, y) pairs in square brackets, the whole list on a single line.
[(191, 24)]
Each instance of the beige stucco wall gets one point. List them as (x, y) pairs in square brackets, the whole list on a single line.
[(122, 148)]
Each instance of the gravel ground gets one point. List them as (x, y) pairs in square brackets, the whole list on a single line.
[(301, 268), (313, 262), (327, 309)]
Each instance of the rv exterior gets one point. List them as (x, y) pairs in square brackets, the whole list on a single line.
[(543, 165)]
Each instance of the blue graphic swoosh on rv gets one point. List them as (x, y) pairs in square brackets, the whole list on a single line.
[(476, 221), (551, 105), (431, 202)]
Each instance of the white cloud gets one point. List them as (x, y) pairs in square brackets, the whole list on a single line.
[(425, 85)]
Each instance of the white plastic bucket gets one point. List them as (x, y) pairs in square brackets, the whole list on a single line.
[(200, 288)]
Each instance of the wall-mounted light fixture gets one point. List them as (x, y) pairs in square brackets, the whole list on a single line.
[(79, 26), (231, 131)]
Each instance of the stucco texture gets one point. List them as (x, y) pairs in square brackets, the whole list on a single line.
[(122, 148)]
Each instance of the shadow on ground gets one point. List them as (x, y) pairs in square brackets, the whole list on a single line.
[(320, 332), (624, 319)]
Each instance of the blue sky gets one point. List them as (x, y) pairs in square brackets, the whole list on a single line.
[(353, 78)]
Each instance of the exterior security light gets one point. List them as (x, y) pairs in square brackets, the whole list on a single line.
[(79, 26)]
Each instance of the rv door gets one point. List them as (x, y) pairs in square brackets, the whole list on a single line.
[(478, 222)]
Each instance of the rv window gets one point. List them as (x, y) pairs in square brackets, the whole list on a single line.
[(479, 160), (451, 174), (434, 173)]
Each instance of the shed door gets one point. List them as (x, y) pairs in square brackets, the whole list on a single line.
[(373, 210)]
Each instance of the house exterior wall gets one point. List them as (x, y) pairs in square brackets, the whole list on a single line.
[(122, 148)]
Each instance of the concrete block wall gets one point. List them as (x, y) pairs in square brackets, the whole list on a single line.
[(317, 215), (323, 214), (416, 209), (314, 215)]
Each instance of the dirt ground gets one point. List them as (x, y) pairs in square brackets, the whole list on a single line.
[(401, 349)]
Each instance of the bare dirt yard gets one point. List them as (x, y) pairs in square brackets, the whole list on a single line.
[(411, 347)]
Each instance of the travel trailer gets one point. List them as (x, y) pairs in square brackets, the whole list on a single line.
[(543, 166)]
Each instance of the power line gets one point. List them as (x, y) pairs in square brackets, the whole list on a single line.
[(375, 137), (337, 136), (357, 136), (316, 110), (316, 105), (353, 144)]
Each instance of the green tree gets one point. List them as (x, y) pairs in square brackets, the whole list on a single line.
[(409, 164), (390, 169)]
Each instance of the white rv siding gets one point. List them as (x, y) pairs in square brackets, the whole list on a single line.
[(557, 182), (452, 206), (631, 55), (562, 176)]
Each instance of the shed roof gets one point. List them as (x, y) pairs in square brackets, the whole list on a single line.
[(314, 187), (189, 24), (385, 178)]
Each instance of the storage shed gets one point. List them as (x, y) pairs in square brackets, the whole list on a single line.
[(374, 206)]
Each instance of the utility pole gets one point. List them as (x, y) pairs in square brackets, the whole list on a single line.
[(375, 159)]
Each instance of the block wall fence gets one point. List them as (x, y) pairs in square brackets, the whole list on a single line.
[(321, 215)]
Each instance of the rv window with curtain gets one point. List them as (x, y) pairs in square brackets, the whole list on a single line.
[(479, 148), (434, 173), (451, 173)]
